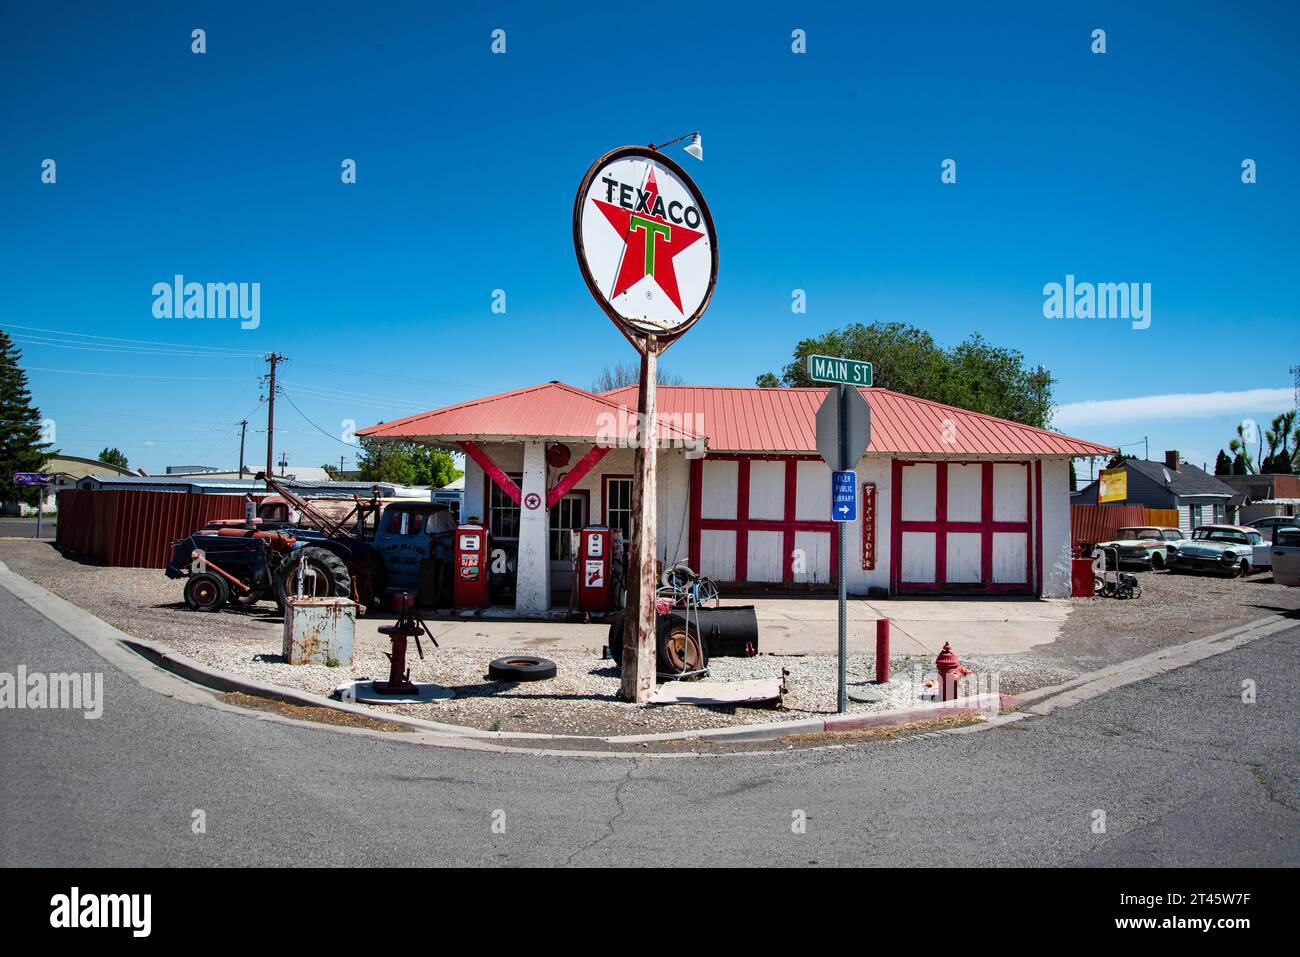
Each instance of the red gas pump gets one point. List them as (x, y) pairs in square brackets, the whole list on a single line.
[(595, 579), (471, 583)]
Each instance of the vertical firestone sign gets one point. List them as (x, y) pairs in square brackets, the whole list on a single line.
[(648, 251)]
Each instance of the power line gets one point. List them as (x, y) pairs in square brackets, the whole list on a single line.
[(123, 350), (289, 399), (145, 342), (132, 375)]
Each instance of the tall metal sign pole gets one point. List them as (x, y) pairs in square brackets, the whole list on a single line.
[(843, 434), (649, 254)]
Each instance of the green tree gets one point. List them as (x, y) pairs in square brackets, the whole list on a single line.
[(22, 444), (433, 466), (113, 456), (1242, 463), (974, 374), (406, 463), (385, 462), (768, 380), (1119, 458), (1223, 464)]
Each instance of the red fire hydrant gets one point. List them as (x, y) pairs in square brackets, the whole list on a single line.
[(947, 665)]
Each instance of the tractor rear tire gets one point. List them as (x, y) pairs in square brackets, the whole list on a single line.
[(332, 577), (206, 592)]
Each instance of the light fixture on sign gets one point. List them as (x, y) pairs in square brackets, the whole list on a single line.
[(695, 147)]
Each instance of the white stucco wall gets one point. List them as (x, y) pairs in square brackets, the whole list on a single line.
[(1056, 528), (674, 511)]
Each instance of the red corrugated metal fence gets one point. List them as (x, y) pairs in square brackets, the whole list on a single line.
[(133, 529), (1090, 524)]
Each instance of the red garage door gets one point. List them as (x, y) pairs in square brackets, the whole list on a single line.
[(762, 520), (962, 527)]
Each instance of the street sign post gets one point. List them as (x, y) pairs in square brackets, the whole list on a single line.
[(844, 496), (839, 371), (843, 434), (35, 478)]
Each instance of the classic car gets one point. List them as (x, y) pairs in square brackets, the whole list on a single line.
[(1286, 556), (1147, 545), (1263, 557), (1220, 549), (1265, 526)]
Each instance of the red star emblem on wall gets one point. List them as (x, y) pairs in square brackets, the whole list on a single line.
[(652, 243)]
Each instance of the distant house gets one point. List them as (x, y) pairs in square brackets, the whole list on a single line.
[(1201, 499), (1259, 496)]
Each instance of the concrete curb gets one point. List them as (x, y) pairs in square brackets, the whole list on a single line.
[(103, 638)]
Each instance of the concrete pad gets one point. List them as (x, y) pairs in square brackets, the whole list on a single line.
[(718, 692), (790, 626), (364, 692)]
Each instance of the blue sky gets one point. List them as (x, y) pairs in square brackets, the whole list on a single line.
[(822, 171)]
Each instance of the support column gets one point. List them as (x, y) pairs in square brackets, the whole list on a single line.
[(533, 583)]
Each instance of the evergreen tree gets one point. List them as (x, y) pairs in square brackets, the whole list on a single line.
[(113, 456), (22, 445), (1222, 464)]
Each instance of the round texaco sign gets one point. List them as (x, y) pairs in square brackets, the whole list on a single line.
[(645, 242)]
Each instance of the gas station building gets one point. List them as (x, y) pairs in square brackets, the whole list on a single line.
[(951, 501)]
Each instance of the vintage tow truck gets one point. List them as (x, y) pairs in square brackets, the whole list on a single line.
[(361, 554)]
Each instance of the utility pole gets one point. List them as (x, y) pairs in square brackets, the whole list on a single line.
[(274, 359), (284, 463), (1146, 449), (243, 431), (341, 466)]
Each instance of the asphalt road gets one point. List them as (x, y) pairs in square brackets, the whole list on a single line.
[(12, 526), (1186, 773)]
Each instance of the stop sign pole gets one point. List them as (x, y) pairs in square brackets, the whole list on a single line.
[(841, 692), (843, 434)]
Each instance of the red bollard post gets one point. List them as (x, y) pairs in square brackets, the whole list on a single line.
[(947, 665), (882, 651)]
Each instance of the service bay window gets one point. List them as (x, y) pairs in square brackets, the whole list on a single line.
[(618, 504), (503, 512), (568, 516)]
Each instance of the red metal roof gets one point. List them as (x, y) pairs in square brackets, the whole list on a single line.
[(552, 410), (734, 419), (738, 419)]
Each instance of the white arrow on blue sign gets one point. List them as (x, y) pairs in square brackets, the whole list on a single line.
[(844, 496)]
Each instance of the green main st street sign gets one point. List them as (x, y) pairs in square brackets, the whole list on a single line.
[(842, 371)]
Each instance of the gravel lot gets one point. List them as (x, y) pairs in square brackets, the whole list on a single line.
[(582, 699), (1173, 609)]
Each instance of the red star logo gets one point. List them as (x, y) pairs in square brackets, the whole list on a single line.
[(652, 242)]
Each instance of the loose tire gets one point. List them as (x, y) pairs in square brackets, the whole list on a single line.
[(206, 592), (615, 641), (681, 649), (521, 668), (331, 580)]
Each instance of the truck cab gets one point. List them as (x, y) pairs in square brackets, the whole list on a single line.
[(402, 541)]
